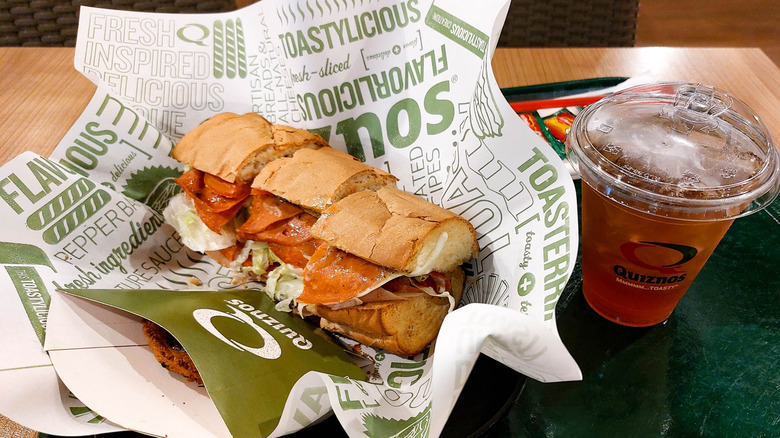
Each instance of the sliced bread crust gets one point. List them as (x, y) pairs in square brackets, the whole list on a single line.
[(235, 147), (392, 228), (315, 179), (403, 327)]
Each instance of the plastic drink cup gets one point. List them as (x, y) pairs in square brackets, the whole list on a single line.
[(666, 168)]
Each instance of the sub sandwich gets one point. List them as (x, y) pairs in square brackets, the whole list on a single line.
[(222, 157), (383, 265), (336, 241)]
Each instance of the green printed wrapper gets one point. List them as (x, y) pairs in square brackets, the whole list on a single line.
[(240, 344), (403, 85)]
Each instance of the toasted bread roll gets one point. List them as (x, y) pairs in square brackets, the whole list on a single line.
[(370, 267), (398, 230), (404, 327), (315, 179), (235, 147)]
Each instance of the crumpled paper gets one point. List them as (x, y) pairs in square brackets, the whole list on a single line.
[(405, 86)]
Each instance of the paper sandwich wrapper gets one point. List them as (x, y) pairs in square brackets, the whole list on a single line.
[(405, 86)]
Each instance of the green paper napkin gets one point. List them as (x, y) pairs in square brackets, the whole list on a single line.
[(248, 354)]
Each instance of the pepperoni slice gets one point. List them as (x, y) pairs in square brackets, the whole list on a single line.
[(216, 200), (226, 189), (293, 231), (296, 255), (266, 210), (191, 181), (334, 276), (215, 220), (231, 252), (284, 226)]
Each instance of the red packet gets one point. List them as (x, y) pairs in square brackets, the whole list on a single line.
[(539, 126), (559, 123)]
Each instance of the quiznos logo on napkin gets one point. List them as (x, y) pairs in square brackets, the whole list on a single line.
[(246, 314), (248, 354)]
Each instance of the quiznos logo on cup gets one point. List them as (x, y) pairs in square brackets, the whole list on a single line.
[(250, 316), (651, 258)]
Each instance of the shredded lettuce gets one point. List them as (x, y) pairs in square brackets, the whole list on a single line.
[(181, 214), (262, 257), (284, 285)]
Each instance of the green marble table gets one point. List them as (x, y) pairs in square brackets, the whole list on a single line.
[(711, 370)]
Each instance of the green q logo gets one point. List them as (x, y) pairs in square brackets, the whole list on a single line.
[(193, 33)]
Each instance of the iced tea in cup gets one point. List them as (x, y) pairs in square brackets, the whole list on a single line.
[(666, 168)]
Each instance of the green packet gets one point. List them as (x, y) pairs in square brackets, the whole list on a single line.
[(248, 354)]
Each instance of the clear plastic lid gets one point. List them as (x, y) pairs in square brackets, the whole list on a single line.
[(680, 150)]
